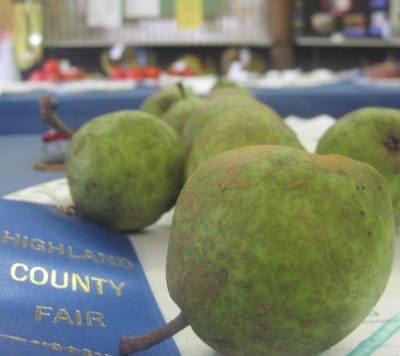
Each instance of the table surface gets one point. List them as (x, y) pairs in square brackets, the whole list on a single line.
[(18, 154), (152, 247)]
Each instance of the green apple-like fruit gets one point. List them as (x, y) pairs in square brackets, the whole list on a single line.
[(277, 251), (372, 135), (224, 85), (212, 106), (124, 169), (179, 112), (158, 103), (237, 126)]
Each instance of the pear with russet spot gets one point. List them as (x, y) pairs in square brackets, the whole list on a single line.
[(276, 251)]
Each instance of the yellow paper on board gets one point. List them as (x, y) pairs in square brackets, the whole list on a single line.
[(189, 14), (27, 22)]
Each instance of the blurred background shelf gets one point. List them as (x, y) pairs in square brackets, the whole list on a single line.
[(284, 34), (239, 22), (339, 41)]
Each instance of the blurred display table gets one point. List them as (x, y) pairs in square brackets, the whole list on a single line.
[(19, 113)]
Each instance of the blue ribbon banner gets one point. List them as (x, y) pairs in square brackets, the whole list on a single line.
[(69, 286)]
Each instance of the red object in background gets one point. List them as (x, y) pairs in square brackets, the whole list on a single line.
[(51, 70), (36, 75), (134, 73), (39, 75), (116, 72), (151, 72), (53, 76), (76, 73), (54, 136), (51, 65), (187, 72)]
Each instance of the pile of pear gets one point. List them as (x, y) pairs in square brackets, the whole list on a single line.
[(273, 250), (125, 169)]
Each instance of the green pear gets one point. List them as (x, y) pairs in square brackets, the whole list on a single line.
[(179, 112), (274, 250), (213, 106), (239, 126), (158, 103), (224, 85), (372, 135), (124, 169)]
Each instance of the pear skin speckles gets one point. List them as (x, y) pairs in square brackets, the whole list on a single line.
[(272, 247)]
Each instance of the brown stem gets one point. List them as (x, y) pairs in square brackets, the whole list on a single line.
[(131, 344), (47, 107), (182, 90)]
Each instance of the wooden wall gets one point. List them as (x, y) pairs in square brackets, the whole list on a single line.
[(5, 15)]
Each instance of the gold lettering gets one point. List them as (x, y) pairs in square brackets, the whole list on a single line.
[(117, 288), (124, 263), (39, 276), (63, 315), (37, 245), (53, 277), (71, 349), (99, 282), (76, 279), (24, 242), (7, 237), (56, 347), (96, 317), (88, 255), (70, 253), (53, 345), (42, 311), (13, 272), (34, 278), (92, 318), (102, 258), (51, 248), (78, 317)]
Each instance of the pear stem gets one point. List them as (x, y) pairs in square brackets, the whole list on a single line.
[(182, 90), (131, 344), (47, 107)]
